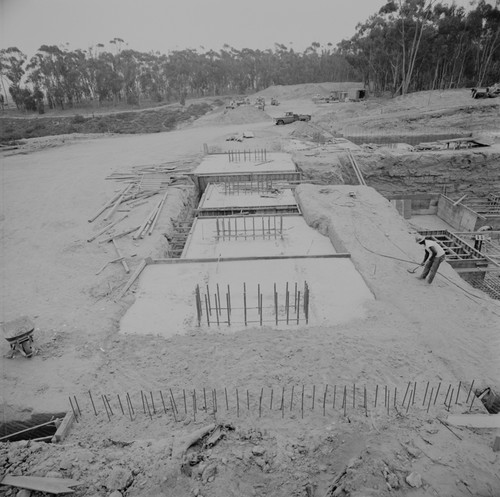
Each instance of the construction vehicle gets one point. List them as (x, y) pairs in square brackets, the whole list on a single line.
[(290, 117)]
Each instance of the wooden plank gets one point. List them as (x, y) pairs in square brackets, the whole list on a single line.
[(134, 276), (120, 256), (475, 420), (41, 484), (64, 427), (257, 258), (104, 207), (119, 235), (106, 228)]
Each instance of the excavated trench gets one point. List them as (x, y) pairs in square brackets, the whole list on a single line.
[(40, 426)]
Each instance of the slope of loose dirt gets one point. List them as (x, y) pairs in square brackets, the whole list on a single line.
[(414, 335)]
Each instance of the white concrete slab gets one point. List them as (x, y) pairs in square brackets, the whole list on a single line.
[(217, 196), (298, 238), (276, 162), (165, 300)]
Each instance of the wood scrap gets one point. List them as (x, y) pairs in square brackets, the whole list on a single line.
[(119, 259), (41, 483), (104, 207), (119, 235), (120, 255), (106, 228), (157, 215), (117, 203), (134, 276), (64, 427)]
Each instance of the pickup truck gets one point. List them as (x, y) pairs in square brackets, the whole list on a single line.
[(290, 117)]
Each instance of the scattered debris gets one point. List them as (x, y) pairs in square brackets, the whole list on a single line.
[(414, 480)]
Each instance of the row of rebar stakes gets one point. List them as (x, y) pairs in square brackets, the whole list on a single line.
[(150, 409)]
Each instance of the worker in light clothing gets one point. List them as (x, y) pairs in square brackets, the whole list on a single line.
[(434, 256)]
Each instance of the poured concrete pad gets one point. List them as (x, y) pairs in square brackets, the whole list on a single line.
[(220, 164), (217, 196), (298, 238), (165, 301)]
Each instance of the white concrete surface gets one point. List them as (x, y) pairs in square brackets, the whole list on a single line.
[(165, 299), (298, 238), (276, 162), (217, 196)]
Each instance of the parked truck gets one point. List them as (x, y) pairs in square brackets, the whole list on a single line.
[(291, 117)]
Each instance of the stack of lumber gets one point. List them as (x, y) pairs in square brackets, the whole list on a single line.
[(150, 222)]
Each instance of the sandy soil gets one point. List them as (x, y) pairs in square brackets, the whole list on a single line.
[(409, 336)]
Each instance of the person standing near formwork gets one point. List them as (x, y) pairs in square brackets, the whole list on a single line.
[(434, 256)]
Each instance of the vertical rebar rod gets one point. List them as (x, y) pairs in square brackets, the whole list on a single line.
[(276, 304), (283, 402), (291, 398), (73, 409), (430, 399), (130, 402), (105, 407), (260, 402), (451, 398), (77, 406), (185, 402), (194, 405), (218, 298), (215, 400), (228, 304), (271, 401), (245, 303), (344, 401), (302, 404), (227, 402), (298, 307), (237, 404), (388, 401), (470, 390), (425, 394), (406, 393), (152, 402), (447, 393), (163, 402), (437, 393), (109, 405), (204, 399), (93, 405), (458, 391), (409, 401), (260, 304), (120, 402), (147, 405), (248, 401), (314, 397), (287, 304), (324, 399), (209, 301), (334, 395), (128, 408), (198, 304), (295, 299), (376, 396), (173, 401), (208, 314), (217, 308), (414, 393), (354, 395)]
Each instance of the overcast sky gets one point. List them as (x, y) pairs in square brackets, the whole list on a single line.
[(163, 25)]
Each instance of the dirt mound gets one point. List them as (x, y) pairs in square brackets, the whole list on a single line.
[(306, 90), (241, 115)]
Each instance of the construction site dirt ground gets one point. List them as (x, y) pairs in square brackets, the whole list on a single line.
[(317, 442)]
